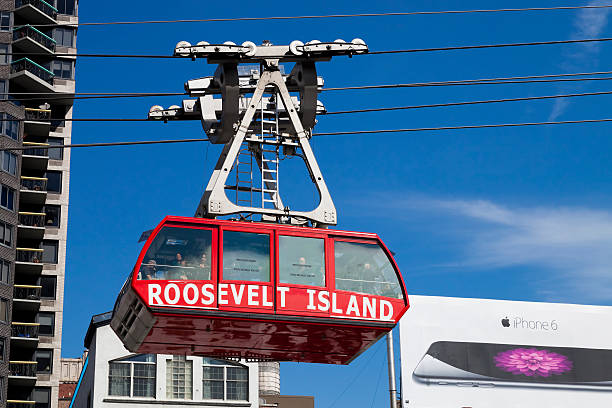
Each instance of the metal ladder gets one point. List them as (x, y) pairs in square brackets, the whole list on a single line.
[(244, 176), (270, 152)]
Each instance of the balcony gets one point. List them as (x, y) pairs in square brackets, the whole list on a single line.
[(25, 334), (36, 156), (37, 122), (22, 372), (31, 225), (26, 297), (20, 404), (32, 76), (33, 190), (36, 11), (29, 260), (29, 39)]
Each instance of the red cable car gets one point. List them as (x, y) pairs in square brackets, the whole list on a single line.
[(259, 291)]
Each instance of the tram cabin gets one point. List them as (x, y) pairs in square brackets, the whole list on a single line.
[(259, 291)]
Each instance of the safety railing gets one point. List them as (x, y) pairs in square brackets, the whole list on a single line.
[(27, 31), (26, 64), (32, 219), (37, 114), (32, 255), (41, 5), (22, 368), (27, 292), (20, 404), (25, 330), (34, 183), (36, 149)]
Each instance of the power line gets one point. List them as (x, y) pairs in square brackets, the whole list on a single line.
[(392, 14), (141, 142), (56, 96), (447, 104)]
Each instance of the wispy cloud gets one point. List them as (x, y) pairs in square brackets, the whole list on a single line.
[(571, 246), (589, 23)]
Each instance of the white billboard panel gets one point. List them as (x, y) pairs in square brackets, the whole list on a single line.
[(493, 353)]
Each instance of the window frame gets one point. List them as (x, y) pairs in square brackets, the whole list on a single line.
[(52, 314), (64, 31), (54, 279), (58, 5), (3, 14), (5, 266), (46, 260), (12, 160), (58, 67), (61, 181), (272, 260), (44, 389), (10, 125), (2, 350), (44, 350), (126, 361), (326, 263), (4, 319), (5, 55), (59, 215), (4, 227), (225, 366)]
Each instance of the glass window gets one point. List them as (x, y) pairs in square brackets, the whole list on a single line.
[(4, 54), (224, 380), (179, 378), (49, 251), (7, 198), (62, 69), (3, 310), (56, 153), (10, 126), (47, 323), (6, 234), (49, 285), (52, 215), (42, 397), (5, 20), (66, 7), (246, 256), (44, 361), (5, 271), (64, 36), (178, 253), (2, 349), (3, 89), (9, 163), (301, 260), (54, 181), (213, 383), (365, 268), (132, 376)]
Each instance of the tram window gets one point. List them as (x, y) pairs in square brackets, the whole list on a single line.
[(178, 254), (365, 268), (301, 260), (246, 256)]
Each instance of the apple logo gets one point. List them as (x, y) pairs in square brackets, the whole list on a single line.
[(506, 322)]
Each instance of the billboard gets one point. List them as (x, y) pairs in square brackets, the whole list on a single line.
[(482, 353)]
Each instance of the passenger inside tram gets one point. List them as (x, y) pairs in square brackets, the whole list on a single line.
[(178, 254), (301, 261)]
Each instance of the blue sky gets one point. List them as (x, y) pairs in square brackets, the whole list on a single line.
[(510, 213)]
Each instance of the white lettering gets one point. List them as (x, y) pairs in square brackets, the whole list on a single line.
[(311, 293), (369, 306), (389, 306), (208, 293), (323, 299), (177, 293), (154, 292), (222, 292), (237, 296), (282, 295), (188, 300), (265, 301), (352, 306), (334, 308), (252, 290)]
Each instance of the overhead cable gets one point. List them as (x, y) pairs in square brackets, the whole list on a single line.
[(391, 14), (140, 142)]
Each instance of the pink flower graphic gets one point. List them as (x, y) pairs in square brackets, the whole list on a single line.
[(532, 362)]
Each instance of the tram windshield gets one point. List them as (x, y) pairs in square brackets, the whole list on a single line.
[(178, 254), (365, 268)]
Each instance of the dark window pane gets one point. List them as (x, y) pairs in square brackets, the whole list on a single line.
[(49, 284), (5, 271), (44, 360), (56, 154), (7, 198), (50, 251), (246, 256), (2, 348), (52, 215), (4, 51), (66, 7), (47, 323), (42, 397), (54, 181), (5, 21), (64, 37), (3, 310)]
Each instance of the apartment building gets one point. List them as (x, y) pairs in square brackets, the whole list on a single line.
[(36, 73)]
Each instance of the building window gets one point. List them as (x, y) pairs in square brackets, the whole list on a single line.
[(4, 54), (3, 89), (50, 251), (49, 285), (9, 162), (42, 397), (52, 215), (44, 361), (7, 198), (46, 320), (5, 271), (62, 69), (54, 181), (132, 376), (179, 378), (2, 350), (3, 310), (66, 7), (64, 37), (10, 126), (5, 20), (224, 380), (6, 234), (56, 153)]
